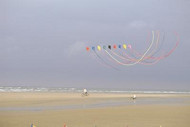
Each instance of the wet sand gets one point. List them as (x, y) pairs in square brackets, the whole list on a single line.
[(96, 110)]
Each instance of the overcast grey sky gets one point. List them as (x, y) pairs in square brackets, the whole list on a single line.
[(42, 42)]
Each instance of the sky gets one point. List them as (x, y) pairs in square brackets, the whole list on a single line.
[(42, 43)]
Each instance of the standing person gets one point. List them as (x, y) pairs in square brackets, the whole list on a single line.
[(134, 96)]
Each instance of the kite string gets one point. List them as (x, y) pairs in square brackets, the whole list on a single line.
[(138, 59)]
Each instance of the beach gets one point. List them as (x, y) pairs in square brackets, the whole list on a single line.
[(45, 109)]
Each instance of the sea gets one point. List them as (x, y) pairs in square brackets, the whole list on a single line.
[(79, 90)]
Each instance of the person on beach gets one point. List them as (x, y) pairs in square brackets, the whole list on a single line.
[(32, 125), (85, 93), (64, 125), (134, 97)]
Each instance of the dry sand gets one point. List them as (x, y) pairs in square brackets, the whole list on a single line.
[(96, 110)]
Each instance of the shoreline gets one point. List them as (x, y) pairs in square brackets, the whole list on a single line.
[(91, 90)]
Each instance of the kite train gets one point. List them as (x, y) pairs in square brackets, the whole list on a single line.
[(126, 55)]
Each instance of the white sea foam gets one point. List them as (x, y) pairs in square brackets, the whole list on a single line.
[(77, 90)]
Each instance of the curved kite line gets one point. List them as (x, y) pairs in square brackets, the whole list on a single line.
[(132, 57), (137, 60)]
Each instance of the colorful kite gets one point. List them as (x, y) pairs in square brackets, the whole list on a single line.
[(126, 55)]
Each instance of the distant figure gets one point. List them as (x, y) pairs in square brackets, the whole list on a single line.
[(85, 93), (134, 97), (64, 125), (32, 125)]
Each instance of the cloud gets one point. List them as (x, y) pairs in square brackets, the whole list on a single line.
[(75, 48), (138, 24), (141, 24)]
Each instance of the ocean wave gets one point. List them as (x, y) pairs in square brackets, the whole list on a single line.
[(77, 90)]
